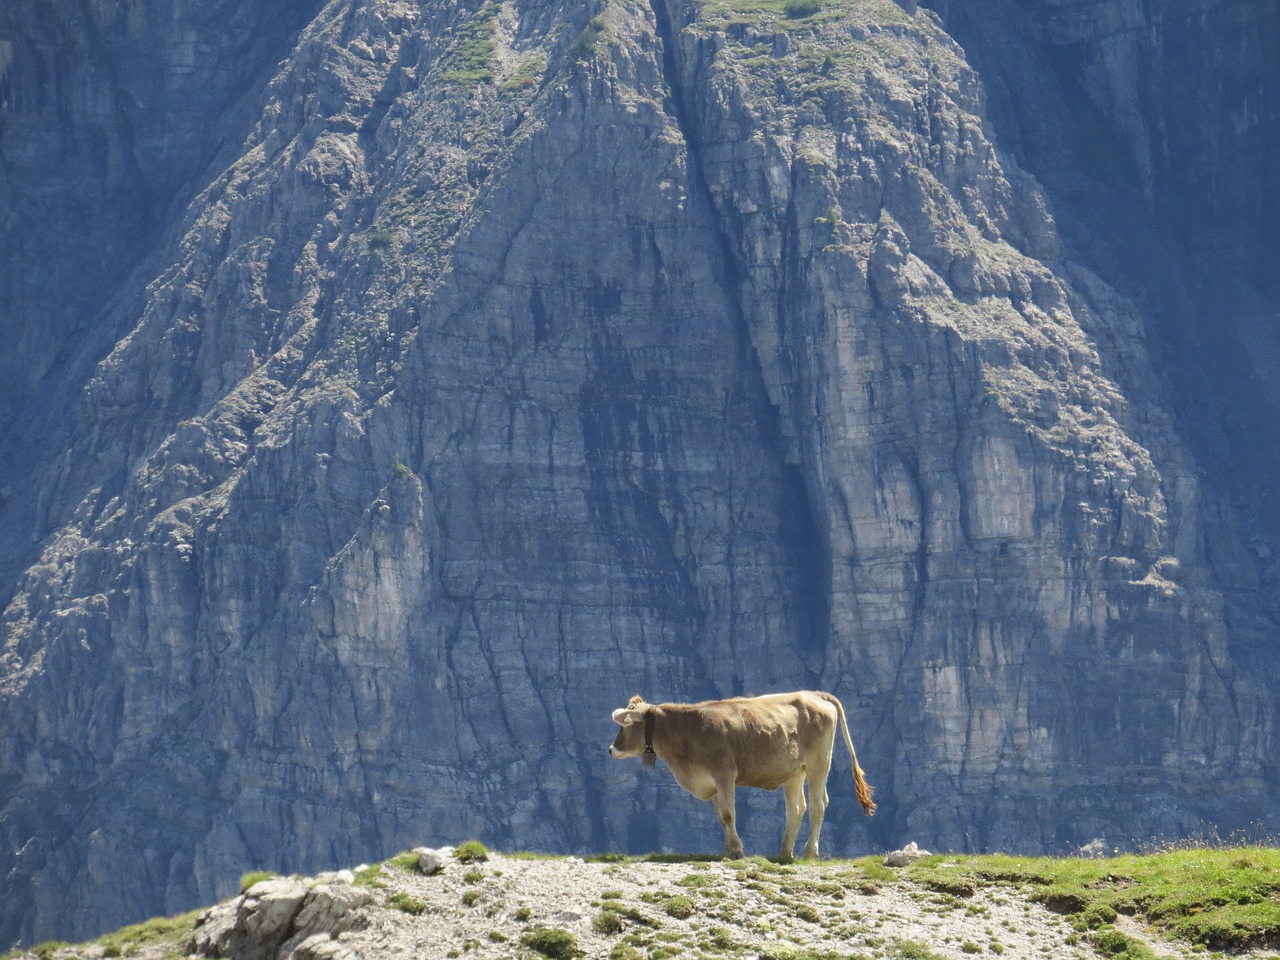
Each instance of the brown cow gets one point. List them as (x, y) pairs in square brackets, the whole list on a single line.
[(767, 742)]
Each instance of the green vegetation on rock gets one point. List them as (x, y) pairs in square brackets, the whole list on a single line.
[(1226, 899), (552, 942), (253, 877), (796, 9), (473, 851), (470, 62), (409, 859), (406, 903), (526, 75), (370, 876), (584, 46)]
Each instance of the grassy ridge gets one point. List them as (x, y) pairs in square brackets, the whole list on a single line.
[(1214, 899), (1219, 899)]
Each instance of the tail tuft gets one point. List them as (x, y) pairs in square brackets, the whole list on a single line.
[(864, 790)]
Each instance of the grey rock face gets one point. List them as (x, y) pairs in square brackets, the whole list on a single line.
[(280, 918), (906, 856), (511, 362)]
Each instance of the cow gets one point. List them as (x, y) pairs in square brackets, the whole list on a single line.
[(767, 742)]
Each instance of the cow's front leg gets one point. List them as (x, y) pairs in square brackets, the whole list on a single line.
[(726, 810)]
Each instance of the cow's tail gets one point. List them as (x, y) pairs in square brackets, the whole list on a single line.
[(860, 785)]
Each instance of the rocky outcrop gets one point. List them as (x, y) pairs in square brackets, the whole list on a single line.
[(284, 917), (519, 357)]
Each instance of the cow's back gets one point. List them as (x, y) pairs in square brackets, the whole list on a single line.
[(765, 740)]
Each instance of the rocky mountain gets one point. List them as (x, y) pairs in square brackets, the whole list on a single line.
[(392, 389)]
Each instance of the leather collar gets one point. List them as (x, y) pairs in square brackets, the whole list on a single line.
[(649, 756)]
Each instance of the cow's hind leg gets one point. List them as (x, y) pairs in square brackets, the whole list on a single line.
[(817, 807), (726, 810), (793, 797)]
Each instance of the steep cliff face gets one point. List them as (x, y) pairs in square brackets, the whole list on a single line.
[(110, 115), (1154, 131), (524, 356)]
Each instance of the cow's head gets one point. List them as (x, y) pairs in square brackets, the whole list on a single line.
[(630, 739)]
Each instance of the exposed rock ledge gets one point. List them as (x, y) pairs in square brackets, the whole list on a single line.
[(743, 908)]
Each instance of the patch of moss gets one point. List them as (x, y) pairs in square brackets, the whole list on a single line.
[(697, 881), (470, 62), (608, 921), (406, 903), (526, 76), (584, 45), (552, 942), (370, 876), (798, 9), (168, 933), (377, 240), (473, 851), (407, 861), (254, 877), (679, 906), (778, 950), (911, 950), (1226, 899)]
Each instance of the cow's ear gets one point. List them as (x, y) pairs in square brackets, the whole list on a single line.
[(624, 717)]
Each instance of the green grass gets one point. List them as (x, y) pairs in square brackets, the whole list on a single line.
[(527, 75), (379, 240), (1215, 899), (785, 13), (698, 882), (254, 876), (679, 906), (680, 858), (608, 921), (788, 951), (406, 904), (42, 950), (910, 950), (169, 933), (797, 9), (552, 942), (473, 851), (470, 62), (407, 861), (584, 46), (371, 876), (164, 937), (1227, 899)]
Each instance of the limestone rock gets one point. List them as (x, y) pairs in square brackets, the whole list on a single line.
[(906, 856), (282, 917), (328, 910), (323, 947), (431, 861), (1097, 847), (215, 929), (264, 919), (392, 390)]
